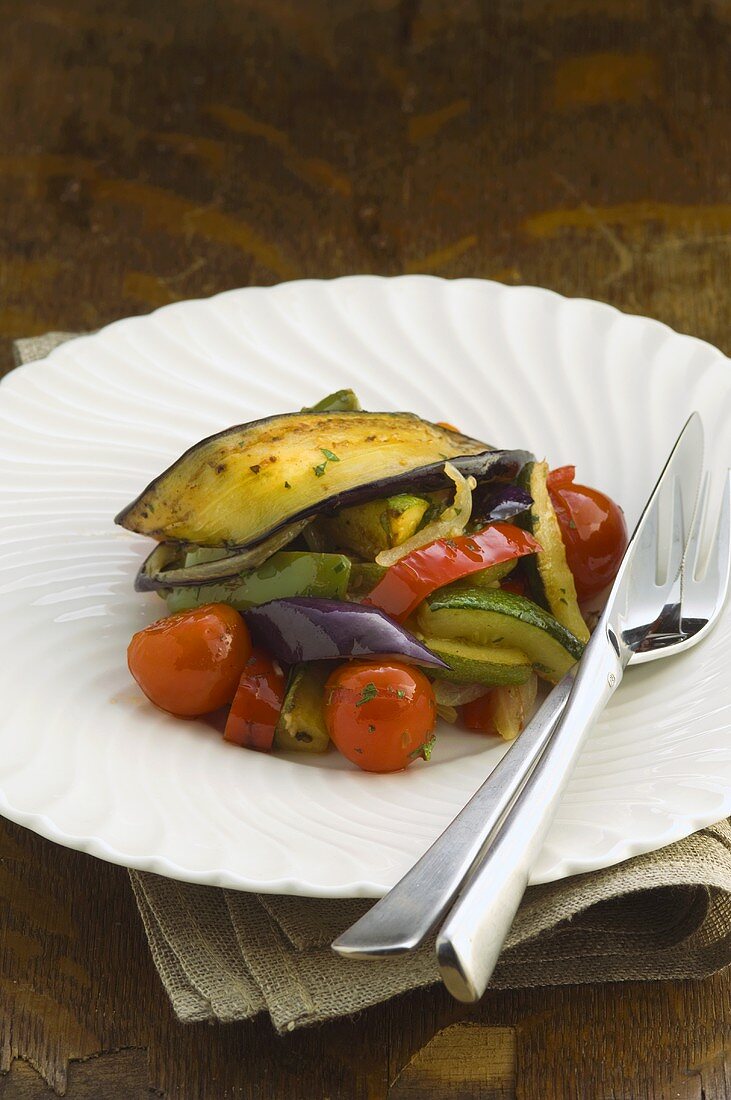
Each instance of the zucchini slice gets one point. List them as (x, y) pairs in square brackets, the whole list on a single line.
[(491, 617), (479, 664), (301, 726), (366, 529), (551, 580)]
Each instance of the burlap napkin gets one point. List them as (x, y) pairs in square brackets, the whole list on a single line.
[(224, 955)]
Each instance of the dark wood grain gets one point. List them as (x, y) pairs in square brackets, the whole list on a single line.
[(153, 151)]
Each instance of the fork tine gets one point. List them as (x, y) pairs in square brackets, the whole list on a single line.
[(703, 596), (692, 549), (677, 537)]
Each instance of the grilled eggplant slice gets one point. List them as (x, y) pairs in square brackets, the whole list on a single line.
[(168, 565), (254, 481)]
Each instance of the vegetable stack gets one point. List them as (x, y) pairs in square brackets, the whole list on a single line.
[(378, 568)]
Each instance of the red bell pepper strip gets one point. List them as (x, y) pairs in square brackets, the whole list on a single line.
[(255, 710), (419, 573)]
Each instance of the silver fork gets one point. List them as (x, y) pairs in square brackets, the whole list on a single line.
[(696, 600), (403, 919)]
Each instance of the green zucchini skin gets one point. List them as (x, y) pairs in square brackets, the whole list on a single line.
[(245, 485), (477, 664), (551, 581), (490, 617)]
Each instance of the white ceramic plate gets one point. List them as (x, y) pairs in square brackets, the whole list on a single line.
[(86, 761)]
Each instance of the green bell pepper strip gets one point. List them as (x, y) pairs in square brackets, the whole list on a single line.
[(284, 574), (340, 401)]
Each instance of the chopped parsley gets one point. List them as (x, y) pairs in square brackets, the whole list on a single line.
[(255, 469), (428, 748), (371, 728), (287, 485), (339, 567), (370, 691), (329, 457), (572, 525), (424, 751)]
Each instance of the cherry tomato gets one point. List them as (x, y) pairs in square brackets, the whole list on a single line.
[(255, 710), (380, 716), (593, 529), (190, 663), (411, 579)]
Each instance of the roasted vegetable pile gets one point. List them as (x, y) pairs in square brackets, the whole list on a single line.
[(337, 575)]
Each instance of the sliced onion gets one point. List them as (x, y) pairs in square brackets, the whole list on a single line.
[(448, 694)]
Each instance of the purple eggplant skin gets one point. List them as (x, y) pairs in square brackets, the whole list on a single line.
[(301, 628), (496, 504)]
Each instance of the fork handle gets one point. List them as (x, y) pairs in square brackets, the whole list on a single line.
[(470, 941)]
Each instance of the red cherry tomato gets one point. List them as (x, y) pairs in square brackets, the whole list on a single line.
[(381, 716), (255, 710), (190, 663), (593, 529), (411, 579)]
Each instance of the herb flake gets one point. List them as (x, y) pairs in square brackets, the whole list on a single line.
[(370, 691)]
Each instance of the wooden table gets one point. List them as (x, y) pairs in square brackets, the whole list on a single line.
[(153, 150)]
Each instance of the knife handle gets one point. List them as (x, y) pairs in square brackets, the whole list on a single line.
[(470, 941)]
